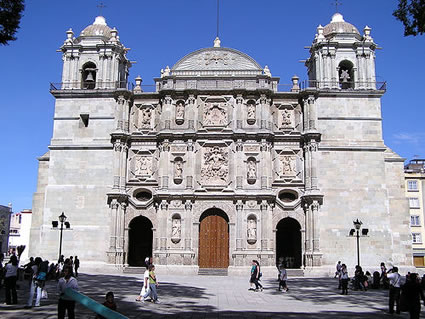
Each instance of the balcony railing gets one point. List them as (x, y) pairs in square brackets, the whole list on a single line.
[(335, 85), (89, 85)]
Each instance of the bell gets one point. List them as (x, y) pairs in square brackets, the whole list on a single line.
[(89, 77)]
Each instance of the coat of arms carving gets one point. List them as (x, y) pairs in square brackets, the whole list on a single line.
[(215, 114)]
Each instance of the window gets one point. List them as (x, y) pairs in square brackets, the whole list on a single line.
[(414, 202), (416, 238), (415, 220), (412, 185)]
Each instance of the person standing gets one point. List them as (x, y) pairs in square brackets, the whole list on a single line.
[(65, 303), (344, 279), (153, 284), (10, 278), (338, 273), (76, 265), (34, 286), (394, 294), (413, 295)]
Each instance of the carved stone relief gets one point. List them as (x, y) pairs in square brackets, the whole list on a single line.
[(287, 165), (145, 118), (178, 170), (287, 118), (215, 114), (215, 166), (143, 166)]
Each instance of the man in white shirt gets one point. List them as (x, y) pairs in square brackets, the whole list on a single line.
[(395, 279)]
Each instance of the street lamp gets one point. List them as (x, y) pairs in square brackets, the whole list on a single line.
[(357, 226), (62, 220)]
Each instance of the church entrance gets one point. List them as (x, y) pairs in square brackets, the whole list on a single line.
[(288, 243), (140, 241), (214, 239)]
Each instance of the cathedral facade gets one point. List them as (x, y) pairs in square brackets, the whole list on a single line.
[(220, 164)]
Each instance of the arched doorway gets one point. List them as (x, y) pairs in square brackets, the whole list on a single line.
[(214, 239), (288, 243), (140, 237)]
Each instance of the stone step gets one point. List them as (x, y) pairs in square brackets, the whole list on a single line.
[(134, 270), (212, 272), (295, 272)]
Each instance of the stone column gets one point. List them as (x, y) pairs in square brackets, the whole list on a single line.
[(123, 166), (162, 225), (188, 229), (264, 220), (316, 234), (239, 225), (116, 164), (307, 167), (313, 163), (113, 226), (309, 228)]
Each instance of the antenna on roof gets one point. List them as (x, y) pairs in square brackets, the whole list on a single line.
[(336, 4), (218, 16), (101, 5)]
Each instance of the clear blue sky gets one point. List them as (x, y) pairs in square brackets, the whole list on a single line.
[(159, 33)]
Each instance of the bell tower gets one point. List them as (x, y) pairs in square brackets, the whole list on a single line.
[(340, 57), (96, 59)]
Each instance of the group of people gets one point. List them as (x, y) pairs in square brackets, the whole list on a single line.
[(405, 293), (150, 283)]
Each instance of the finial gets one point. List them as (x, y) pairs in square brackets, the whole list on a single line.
[(217, 42), (366, 34), (138, 87), (336, 4), (69, 36), (101, 5), (167, 71)]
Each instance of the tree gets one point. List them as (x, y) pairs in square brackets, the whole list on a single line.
[(10, 16), (412, 14)]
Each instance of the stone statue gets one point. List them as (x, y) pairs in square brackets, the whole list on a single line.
[(251, 111), (180, 110), (215, 114), (216, 165), (345, 77), (146, 116), (251, 169), (288, 165), (176, 228), (143, 165), (286, 118), (252, 229), (178, 169)]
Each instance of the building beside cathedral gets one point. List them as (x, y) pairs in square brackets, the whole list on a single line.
[(221, 164)]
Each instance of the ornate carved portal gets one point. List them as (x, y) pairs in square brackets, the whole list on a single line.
[(215, 165)]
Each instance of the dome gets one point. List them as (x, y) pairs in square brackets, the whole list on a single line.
[(217, 59), (98, 28), (338, 25)]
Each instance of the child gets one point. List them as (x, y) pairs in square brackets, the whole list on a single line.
[(109, 303)]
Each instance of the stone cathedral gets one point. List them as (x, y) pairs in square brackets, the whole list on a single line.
[(219, 164)]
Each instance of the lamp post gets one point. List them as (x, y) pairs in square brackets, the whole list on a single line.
[(357, 226), (62, 220)]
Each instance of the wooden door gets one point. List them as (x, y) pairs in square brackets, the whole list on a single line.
[(213, 242)]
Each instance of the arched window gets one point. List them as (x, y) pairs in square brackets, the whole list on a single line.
[(88, 80), (346, 75)]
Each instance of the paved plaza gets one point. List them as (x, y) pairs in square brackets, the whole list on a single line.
[(214, 297)]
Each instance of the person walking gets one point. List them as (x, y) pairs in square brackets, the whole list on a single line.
[(10, 277), (65, 303), (283, 277), (344, 279), (338, 273), (153, 284), (76, 265), (34, 286), (394, 294), (256, 275), (145, 286)]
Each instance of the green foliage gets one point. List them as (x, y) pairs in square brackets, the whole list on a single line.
[(10, 16), (412, 14)]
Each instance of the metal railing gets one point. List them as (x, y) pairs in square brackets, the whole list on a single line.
[(349, 85)]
